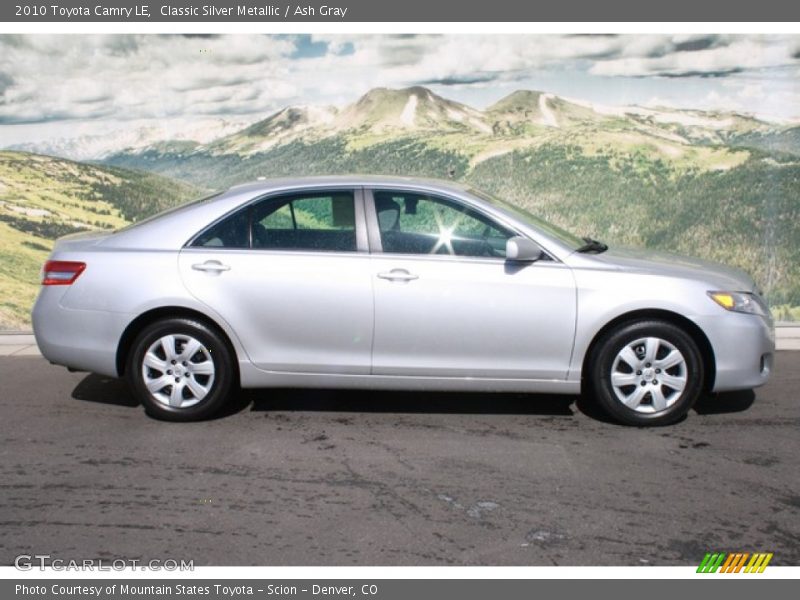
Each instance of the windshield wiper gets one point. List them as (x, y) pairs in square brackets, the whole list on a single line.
[(592, 246)]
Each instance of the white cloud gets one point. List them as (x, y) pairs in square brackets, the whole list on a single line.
[(733, 55), (125, 79), (58, 77)]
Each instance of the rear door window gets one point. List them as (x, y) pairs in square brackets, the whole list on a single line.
[(322, 222), (318, 221)]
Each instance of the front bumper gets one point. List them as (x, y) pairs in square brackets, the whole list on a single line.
[(744, 349)]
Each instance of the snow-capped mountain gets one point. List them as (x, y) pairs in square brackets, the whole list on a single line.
[(98, 147), (522, 118)]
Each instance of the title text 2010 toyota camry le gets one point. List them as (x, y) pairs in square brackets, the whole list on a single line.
[(393, 283)]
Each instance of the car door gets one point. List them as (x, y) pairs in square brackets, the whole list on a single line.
[(448, 303), (291, 275)]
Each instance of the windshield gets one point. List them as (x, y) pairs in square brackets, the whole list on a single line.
[(571, 240)]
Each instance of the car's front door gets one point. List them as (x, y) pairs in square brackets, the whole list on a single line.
[(291, 275), (448, 303)]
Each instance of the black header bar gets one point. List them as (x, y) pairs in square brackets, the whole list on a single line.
[(337, 11)]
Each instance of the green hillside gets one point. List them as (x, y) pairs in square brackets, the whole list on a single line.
[(747, 216), (42, 198)]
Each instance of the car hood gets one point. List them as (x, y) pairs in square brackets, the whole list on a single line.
[(667, 264)]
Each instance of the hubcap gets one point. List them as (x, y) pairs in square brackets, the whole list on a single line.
[(649, 375), (178, 371)]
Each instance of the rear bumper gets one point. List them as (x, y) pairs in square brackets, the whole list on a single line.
[(744, 349), (85, 340)]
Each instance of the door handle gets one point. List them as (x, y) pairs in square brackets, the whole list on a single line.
[(211, 266), (398, 275)]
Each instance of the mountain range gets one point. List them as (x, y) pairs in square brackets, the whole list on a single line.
[(523, 119), (126, 137)]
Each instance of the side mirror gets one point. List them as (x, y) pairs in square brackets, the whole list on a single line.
[(523, 250)]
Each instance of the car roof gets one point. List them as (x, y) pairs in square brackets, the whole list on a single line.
[(268, 185), (172, 229)]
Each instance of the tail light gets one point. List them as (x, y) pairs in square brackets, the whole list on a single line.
[(61, 272)]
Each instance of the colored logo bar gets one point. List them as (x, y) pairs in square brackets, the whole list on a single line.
[(734, 562)]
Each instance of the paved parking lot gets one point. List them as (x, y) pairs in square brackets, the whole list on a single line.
[(355, 478)]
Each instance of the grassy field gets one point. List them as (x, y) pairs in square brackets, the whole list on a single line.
[(42, 198)]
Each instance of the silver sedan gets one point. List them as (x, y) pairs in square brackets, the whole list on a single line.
[(393, 283)]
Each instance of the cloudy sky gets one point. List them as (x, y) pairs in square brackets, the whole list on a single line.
[(73, 85)]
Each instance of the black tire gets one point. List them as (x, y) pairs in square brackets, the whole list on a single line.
[(214, 349), (604, 359)]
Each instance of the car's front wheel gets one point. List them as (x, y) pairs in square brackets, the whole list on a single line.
[(180, 369), (647, 373)]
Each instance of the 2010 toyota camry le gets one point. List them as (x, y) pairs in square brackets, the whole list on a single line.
[(393, 283)]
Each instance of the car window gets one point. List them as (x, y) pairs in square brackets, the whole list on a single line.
[(412, 223), (323, 221), (231, 232)]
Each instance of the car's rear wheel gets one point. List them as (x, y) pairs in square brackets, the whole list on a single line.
[(647, 373), (180, 369)]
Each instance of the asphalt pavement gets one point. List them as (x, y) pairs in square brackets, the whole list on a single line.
[(290, 477)]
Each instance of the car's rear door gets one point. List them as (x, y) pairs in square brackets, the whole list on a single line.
[(448, 304), (291, 275)]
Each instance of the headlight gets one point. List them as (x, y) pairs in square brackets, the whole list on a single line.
[(742, 302)]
